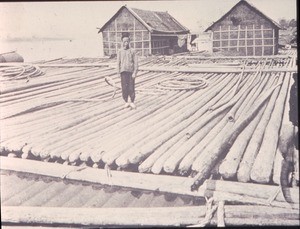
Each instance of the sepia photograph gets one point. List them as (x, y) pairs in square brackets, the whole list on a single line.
[(141, 114)]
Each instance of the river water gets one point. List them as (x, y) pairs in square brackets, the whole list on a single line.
[(36, 50)]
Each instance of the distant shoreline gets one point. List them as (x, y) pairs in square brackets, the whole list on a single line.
[(36, 48), (35, 39)]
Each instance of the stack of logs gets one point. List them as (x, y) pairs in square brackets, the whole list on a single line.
[(230, 127)]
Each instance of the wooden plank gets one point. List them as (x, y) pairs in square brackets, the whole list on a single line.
[(212, 43), (238, 38), (28, 191), (254, 190), (52, 190), (236, 198), (156, 216), (167, 69), (143, 49), (253, 37), (246, 48), (134, 34), (109, 41), (242, 46), (243, 30), (244, 193), (262, 40), (235, 39), (216, 70), (163, 183), (232, 57), (150, 44), (116, 34), (221, 39), (11, 190), (104, 216), (273, 34), (229, 31)]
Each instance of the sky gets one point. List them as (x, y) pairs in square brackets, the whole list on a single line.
[(77, 20)]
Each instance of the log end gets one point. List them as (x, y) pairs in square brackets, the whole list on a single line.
[(144, 169), (25, 155), (96, 156), (95, 165), (74, 157), (84, 157), (169, 168), (45, 155), (12, 155), (65, 156)]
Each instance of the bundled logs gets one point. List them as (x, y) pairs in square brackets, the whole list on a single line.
[(186, 123)]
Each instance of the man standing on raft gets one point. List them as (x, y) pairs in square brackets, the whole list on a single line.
[(127, 67)]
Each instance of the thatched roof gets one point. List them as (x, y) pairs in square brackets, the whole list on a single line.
[(251, 7), (154, 21)]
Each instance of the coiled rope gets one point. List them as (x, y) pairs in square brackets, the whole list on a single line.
[(183, 83), (20, 72)]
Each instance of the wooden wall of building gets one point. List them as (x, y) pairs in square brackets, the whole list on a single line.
[(126, 22), (166, 45), (244, 32)]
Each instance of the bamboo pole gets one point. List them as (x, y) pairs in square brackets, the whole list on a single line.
[(284, 141), (176, 156), (164, 69), (215, 70), (90, 133), (37, 101), (41, 130), (243, 173), (158, 131), (54, 99), (180, 151), (229, 166), (146, 165), (93, 144), (189, 159), (234, 91), (110, 127), (260, 191), (115, 149), (198, 109), (161, 159), (50, 82), (262, 168), (207, 159)]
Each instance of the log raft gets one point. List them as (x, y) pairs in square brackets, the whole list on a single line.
[(69, 115)]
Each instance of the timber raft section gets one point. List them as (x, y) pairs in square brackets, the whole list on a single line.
[(204, 127)]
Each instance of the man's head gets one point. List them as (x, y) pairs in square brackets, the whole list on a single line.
[(125, 40)]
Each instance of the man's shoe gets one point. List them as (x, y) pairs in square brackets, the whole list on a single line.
[(126, 105), (132, 105)]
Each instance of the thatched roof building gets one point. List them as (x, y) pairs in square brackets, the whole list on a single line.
[(151, 32), (245, 30)]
